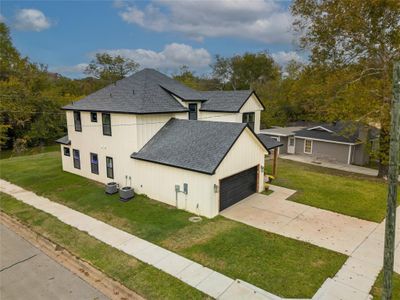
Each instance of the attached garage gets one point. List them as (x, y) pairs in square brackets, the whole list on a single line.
[(201, 166), (237, 187)]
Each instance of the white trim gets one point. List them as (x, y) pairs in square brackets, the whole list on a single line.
[(262, 131), (321, 127), (327, 141), (312, 144), (349, 156)]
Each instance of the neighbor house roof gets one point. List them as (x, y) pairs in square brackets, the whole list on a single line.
[(149, 91), (193, 145), (281, 131), (342, 132), (268, 142), (64, 140)]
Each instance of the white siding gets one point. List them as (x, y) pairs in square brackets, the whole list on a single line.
[(158, 182), (247, 152)]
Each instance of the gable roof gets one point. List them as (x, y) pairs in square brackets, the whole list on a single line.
[(192, 145), (149, 91), (225, 101), (341, 132)]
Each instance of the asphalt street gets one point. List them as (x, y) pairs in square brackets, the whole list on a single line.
[(28, 273)]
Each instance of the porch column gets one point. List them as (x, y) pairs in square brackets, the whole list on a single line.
[(275, 164)]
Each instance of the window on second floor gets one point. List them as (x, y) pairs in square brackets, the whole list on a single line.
[(249, 118), (77, 121), (192, 111), (106, 124)]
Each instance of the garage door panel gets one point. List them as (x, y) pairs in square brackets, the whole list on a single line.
[(237, 187)]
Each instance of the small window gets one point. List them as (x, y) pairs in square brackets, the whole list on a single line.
[(93, 117), (106, 124), (67, 151), (291, 141), (308, 146), (77, 159), (192, 111), (110, 167), (249, 118), (94, 163), (77, 121)]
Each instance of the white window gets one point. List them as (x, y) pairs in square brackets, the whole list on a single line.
[(308, 146), (291, 141)]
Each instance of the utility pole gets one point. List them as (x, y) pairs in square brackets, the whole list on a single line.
[(390, 230)]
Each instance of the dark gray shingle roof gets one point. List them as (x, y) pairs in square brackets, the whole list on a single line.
[(193, 145), (140, 93), (340, 132), (268, 142), (149, 91), (225, 101), (64, 140)]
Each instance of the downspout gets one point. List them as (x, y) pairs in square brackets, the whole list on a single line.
[(349, 156)]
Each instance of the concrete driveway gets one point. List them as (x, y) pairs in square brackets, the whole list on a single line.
[(27, 273), (320, 227)]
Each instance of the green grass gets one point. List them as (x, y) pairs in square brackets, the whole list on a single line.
[(376, 290), (139, 277), (30, 151), (351, 194), (277, 264)]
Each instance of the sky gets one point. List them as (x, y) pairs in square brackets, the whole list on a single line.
[(161, 34)]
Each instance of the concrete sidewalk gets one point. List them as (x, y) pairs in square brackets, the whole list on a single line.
[(202, 278), (325, 164), (27, 273)]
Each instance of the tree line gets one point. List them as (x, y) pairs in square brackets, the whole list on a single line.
[(351, 45)]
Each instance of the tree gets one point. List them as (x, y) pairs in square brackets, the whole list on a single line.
[(353, 45), (189, 78), (111, 68), (242, 71)]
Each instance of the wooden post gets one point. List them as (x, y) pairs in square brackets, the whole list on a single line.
[(274, 167), (390, 230)]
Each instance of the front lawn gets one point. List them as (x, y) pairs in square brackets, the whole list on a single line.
[(135, 275), (351, 194), (280, 265), (376, 290)]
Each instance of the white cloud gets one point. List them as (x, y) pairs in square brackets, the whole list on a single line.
[(261, 20), (171, 57), (2, 18), (30, 19), (79, 68), (283, 57)]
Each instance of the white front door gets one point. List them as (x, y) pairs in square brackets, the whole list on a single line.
[(291, 145)]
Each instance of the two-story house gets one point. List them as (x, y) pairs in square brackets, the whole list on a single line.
[(198, 151)]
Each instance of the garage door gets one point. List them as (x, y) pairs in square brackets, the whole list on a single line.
[(237, 187)]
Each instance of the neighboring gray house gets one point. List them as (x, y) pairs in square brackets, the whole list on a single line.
[(340, 142)]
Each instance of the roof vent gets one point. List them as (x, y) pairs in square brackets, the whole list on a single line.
[(110, 95), (133, 92)]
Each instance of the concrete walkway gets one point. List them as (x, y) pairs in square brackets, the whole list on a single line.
[(363, 241), (357, 276), (320, 227), (202, 278), (337, 166)]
